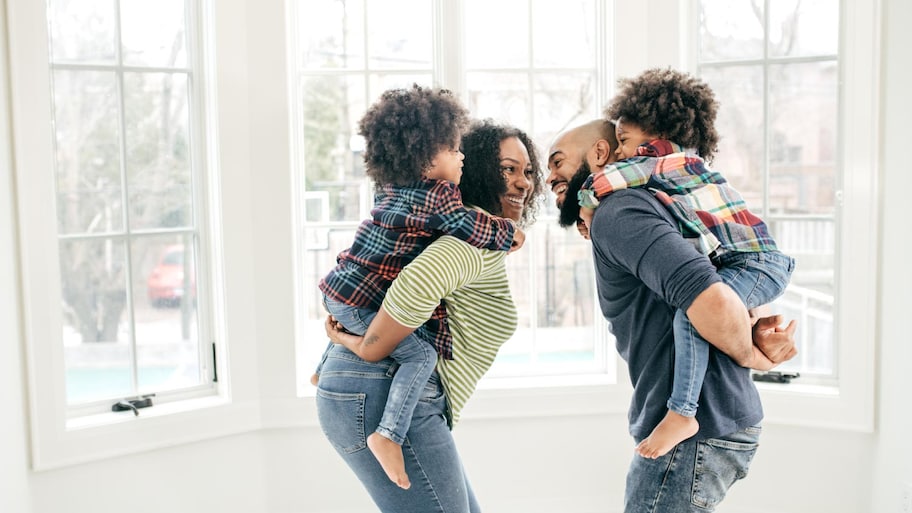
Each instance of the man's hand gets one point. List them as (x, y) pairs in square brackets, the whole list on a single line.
[(776, 343)]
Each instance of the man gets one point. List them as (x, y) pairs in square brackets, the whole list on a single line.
[(570, 167), (645, 270)]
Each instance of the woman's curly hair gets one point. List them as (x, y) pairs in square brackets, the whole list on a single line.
[(483, 183), (672, 105), (406, 128)]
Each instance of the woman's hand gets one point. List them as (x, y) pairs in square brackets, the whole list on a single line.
[(339, 335)]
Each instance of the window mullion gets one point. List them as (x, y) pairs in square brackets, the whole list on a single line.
[(449, 46), (127, 239)]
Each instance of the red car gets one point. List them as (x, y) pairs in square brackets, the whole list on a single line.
[(166, 283)]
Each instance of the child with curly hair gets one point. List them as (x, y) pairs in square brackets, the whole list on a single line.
[(665, 126), (412, 154)]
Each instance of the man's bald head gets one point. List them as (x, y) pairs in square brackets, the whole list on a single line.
[(567, 161), (582, 137)]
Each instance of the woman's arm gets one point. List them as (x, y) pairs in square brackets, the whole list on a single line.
[(381, 338), (444, 266)]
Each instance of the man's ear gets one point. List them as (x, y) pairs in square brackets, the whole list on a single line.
[(602, 149)]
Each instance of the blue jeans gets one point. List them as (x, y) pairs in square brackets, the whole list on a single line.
[(692, 477), (350, 400), (416, 359), (758, 279)]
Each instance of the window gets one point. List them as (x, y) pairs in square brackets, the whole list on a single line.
[(127, 197), (345, 53), (790, 96), (113, 199)]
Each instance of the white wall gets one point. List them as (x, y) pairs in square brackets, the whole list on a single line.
[(14, 476), (544, 464), (892, 466)]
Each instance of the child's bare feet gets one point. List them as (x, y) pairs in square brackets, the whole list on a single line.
[(389, 454), (673, 430)]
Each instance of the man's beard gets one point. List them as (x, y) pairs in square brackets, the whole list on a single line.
[(569, 211)]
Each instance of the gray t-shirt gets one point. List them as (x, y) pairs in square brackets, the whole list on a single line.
[(645, 270)]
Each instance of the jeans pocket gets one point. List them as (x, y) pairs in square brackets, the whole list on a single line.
[(341, 417), (721, 462)]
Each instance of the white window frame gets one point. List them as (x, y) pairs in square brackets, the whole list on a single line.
[(576, 392), (849, 403), (670, 39), (59, 439)]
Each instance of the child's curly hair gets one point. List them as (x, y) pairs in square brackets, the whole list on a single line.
[(406, 128), (672, 105), (483, 183)]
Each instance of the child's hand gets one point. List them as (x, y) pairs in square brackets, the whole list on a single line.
[(582, 228), (586, 214), (519, 237)]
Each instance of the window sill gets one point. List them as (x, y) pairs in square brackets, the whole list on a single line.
[(796, 404), (97, 437), (818, 406)]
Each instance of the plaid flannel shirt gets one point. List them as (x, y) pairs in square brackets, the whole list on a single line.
[(702, 201), (404, 221)]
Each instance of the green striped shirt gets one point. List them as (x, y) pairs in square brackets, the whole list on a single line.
[(480, 310)]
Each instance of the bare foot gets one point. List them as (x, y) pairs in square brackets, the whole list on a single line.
[(389, 454), (314, 379), (673, 430)]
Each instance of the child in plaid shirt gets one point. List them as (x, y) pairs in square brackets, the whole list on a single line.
[(655, 114), (412, 154)]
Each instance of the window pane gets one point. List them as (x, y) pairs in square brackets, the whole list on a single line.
[(399, 34), (802, 195), (130, 319), (804, 120), (333, 164), (493, 42), (380, 82), (778, 123), (563, 100), (331, 34), (82, 31), (564, 33), (740, 159), (96, 331), (804, 27), (502, 96), (153, 33), (553, 285), (158, 149), (493, 59), (87, 124), (166, 317), (731, 29)]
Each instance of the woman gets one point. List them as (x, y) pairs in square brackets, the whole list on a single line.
[(501, 175)]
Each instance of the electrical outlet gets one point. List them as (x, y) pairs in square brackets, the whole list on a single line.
[(906, 499)]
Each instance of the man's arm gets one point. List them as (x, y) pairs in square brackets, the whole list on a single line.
[(722, 319), (648, 244)]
